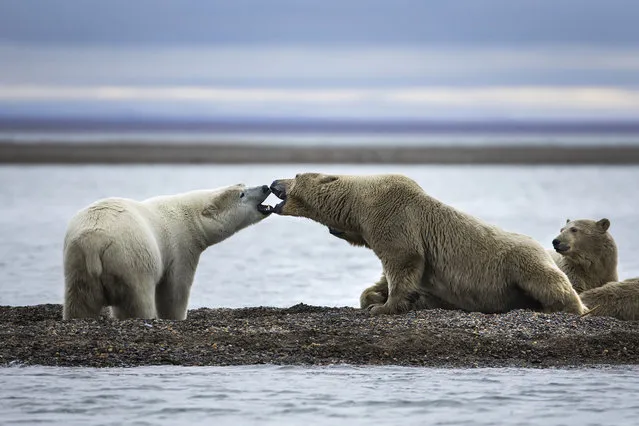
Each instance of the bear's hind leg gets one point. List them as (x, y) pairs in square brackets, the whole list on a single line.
[(138, 300), (550, 287), (404, 274), (375, 294), (82, 297)]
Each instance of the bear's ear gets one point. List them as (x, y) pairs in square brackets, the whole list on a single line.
[(328, 179), (210, 210), (567, 220), (603, 224), (213, 208)]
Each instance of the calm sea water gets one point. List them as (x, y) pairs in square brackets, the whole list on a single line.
[(340, 395), (284, 261)]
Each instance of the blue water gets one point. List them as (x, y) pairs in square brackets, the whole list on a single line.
[(341, 395), (283, 261)]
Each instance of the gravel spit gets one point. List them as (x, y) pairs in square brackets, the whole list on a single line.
[(311, 335)]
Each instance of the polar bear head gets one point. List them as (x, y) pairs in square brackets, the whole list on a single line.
[(344, 202), (584, 239), (224, 211), (326, 199)]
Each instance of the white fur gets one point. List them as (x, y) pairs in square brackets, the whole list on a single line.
[(140, 257)]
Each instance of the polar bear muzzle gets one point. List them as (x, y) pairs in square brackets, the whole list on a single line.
[(261, 193), (278, 188)]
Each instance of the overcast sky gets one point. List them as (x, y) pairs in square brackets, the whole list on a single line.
[(416, 58), (466, 22)]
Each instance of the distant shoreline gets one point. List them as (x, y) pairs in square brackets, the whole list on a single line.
[(125, 152), (300, 125)]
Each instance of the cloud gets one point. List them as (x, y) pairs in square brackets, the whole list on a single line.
[(583, 98), (310, 64), (560, 98), (349, 80), (314, 65)]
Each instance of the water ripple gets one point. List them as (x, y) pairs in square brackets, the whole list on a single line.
[(323, 396)]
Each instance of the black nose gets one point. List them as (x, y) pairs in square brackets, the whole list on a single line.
[(265, 189), (278, 189), (555, 242)]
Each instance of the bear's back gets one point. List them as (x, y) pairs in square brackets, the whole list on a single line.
[(110, 216)]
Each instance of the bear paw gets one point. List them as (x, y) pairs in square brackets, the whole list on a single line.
[(370, 298), (389, 308), (386, 309), (377, 309)]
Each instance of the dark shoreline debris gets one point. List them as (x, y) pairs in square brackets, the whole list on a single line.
[(310, 335)]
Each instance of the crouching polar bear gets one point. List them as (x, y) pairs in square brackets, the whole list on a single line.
[(139, 258), (432, 254)]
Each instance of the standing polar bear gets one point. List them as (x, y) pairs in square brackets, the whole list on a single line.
[(429, 250), (140, 257)]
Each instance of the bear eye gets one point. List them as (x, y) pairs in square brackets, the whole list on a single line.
[(573, 229), (241, 194)]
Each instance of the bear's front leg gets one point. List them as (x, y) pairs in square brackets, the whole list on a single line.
[(403, 273), (377, 294), (172, 293)]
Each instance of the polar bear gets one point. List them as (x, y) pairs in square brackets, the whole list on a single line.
[(140, 257), (378, 292), (586, 252), (615, 299), (428, 248)]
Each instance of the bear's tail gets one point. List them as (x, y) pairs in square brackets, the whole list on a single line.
[(94, 266)]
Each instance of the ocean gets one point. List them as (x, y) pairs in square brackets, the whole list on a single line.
[(336, 395), (283, 261)]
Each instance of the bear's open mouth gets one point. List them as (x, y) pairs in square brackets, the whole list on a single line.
[(562, 248), (278, 192), (266, 209)]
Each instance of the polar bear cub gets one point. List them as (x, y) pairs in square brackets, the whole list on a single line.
[(139, 257)]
